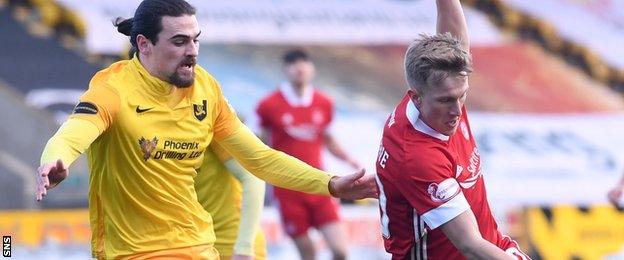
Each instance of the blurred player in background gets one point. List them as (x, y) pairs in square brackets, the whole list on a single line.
[(433, 202), (235, 199), (296, 119), (146, 123)]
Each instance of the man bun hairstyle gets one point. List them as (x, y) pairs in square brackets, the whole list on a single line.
[(124, 26)]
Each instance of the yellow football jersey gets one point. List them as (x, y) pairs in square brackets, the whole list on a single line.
[(220, 193), (143, 165)]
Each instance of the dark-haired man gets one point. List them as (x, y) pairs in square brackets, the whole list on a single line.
[(146, 123), (296, 119)]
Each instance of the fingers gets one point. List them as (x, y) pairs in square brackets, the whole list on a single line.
[(59, 165), (40, 189), (357, 175), (362, 188), (370, 186), (57, 174), (42, 181), (354, 186)]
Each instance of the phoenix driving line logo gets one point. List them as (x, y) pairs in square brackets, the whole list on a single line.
[(147, 146)]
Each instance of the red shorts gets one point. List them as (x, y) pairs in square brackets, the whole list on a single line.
[(300, 211), (512, 248)]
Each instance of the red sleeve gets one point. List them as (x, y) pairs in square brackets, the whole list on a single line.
[(428, 183)]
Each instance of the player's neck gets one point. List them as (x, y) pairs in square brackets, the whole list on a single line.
[(149, 67), (299, 89), (157, 82)]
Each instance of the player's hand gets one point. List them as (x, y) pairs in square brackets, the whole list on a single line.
[(48, 176), (354, 186), (614, 196), (241, 257)]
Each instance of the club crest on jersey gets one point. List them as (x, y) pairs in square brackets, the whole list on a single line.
[(147, 146), (200, 110), (443, 191)]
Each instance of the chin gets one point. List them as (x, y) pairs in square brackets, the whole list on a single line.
[(182, 82), (450, 132)]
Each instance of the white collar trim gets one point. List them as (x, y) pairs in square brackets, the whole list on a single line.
[(412, 113), (293, 99)]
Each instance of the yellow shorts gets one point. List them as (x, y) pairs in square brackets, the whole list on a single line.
[(207, 252)]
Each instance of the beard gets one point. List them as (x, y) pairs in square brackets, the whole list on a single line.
[(178, 81)]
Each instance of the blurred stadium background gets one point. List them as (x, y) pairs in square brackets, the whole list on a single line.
[(546, 105)]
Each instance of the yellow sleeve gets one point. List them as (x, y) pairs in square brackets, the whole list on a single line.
[(71, 140), (98, 105), (275, 167), (91, 116), (251, 208), (225, 117), (220, 152)]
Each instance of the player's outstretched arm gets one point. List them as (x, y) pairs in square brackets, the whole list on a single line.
[(451, 19), (282, 170), (464, 234), (71, 140)]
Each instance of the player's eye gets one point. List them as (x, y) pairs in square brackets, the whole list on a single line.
[(179, 42)]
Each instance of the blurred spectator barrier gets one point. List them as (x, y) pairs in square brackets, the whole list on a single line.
[(70, 228), (530, 159), (297, 22), (587, 34)]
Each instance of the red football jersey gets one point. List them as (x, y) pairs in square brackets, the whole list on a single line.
[(297, 125), (425, 180)]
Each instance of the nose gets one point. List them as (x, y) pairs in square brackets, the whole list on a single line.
[(192, 49), (456, 108)]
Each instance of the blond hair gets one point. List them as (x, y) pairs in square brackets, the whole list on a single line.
[(431, 59)]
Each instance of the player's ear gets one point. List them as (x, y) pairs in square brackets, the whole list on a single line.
[(414, 96), (143, 44)]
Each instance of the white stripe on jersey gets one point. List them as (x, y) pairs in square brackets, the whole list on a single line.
[(423, 242), (447, 211), (385, 220), (420, 237), (416, 225)]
